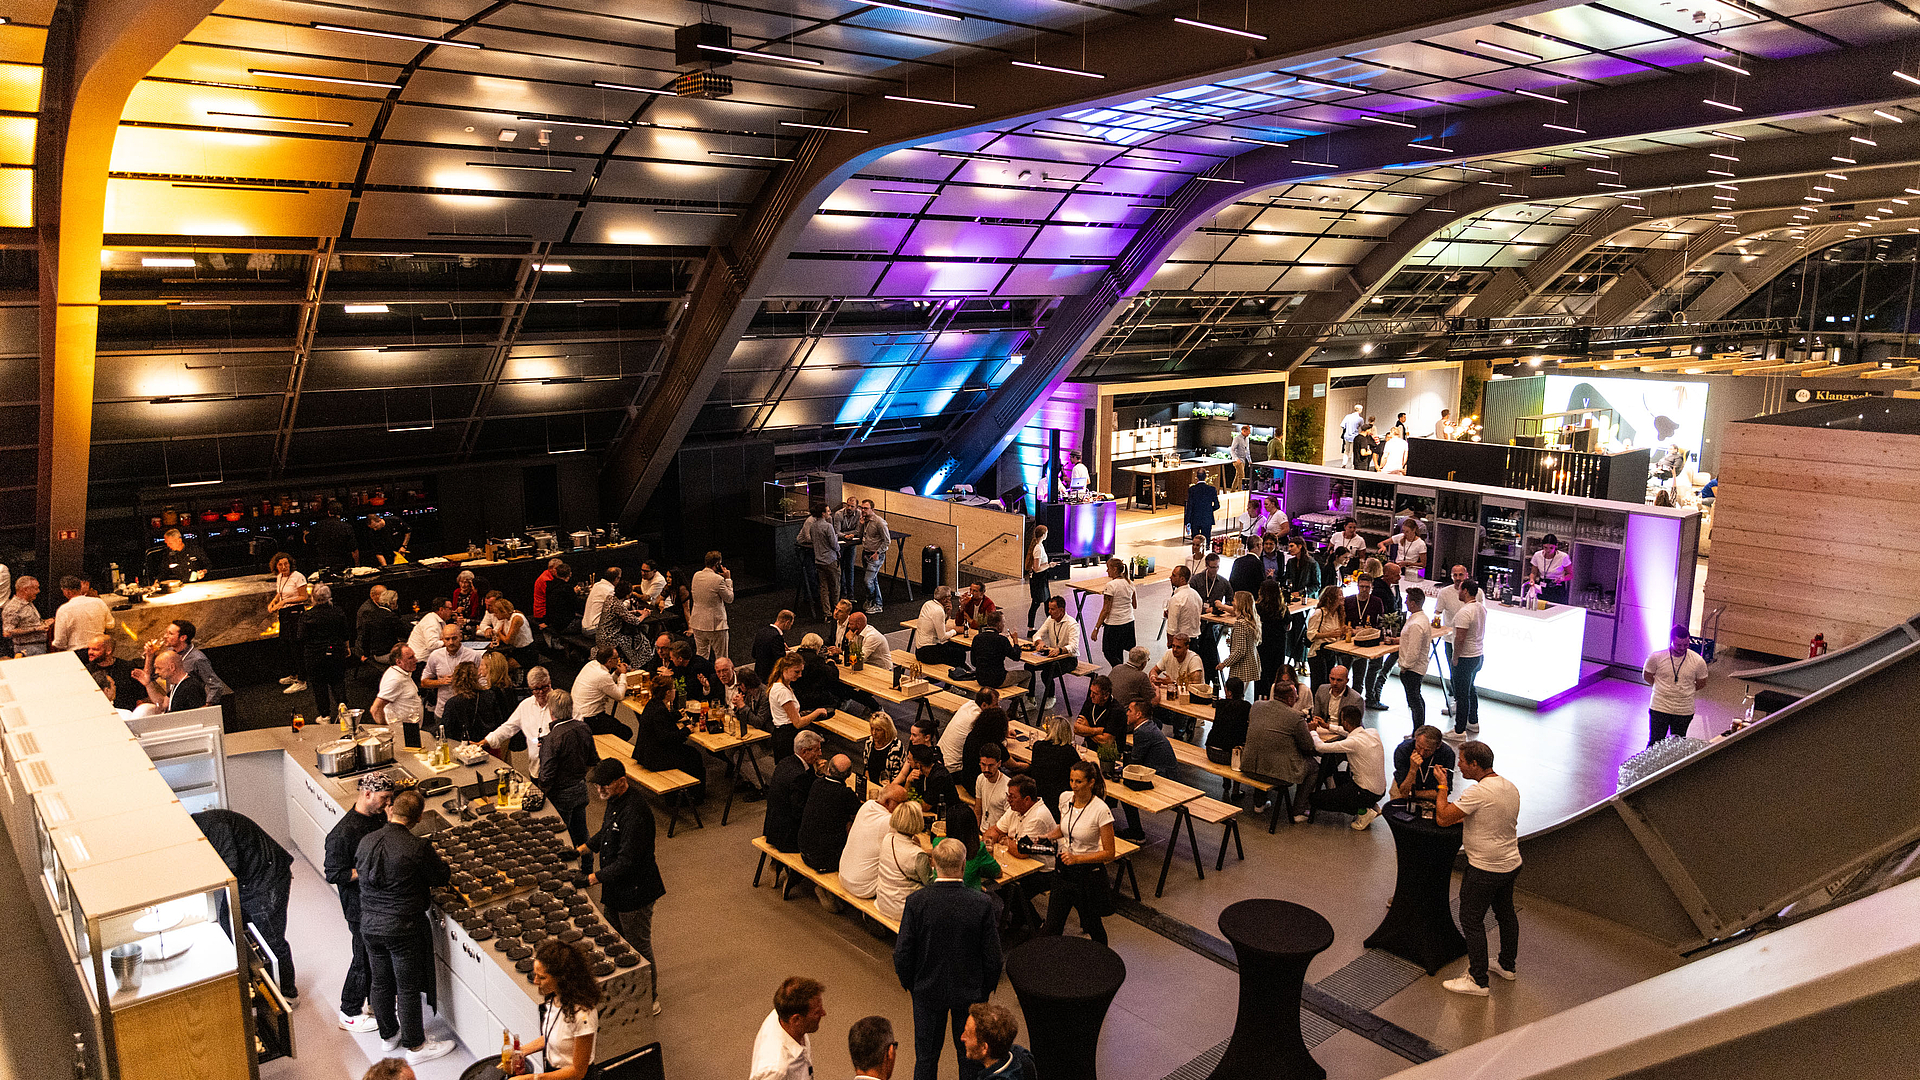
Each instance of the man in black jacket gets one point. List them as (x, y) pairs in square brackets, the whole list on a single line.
[(770, 644), (787, 795), (397, 871), (628, 877), (264, 872), (368, 814), (948, 957), (377, 626), (829, 812), (567, 755)]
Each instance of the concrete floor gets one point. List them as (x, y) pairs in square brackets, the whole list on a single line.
[(723, 946)]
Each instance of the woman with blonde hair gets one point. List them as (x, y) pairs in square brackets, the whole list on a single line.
[(1243, 656), (904, 867), (1052, 758), (886, 751), (788, 720), (1325, 625), (470, 712)]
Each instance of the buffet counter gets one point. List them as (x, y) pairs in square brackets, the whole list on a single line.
[(274, 779)]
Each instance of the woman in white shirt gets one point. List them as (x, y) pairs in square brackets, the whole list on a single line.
[(1085, 830), (289, 600), (512, 633), (570, 1015), (1116, 614), (1407, 549), (1326, 624), (788, 720), (904, 867), (1039, 588)]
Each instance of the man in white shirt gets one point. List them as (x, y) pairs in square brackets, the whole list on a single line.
[(712, 591), (953, 737), (1676, 676), (1554, 569), (1358, 790), (860, 858), (1393, 456), (1349, 427), (1490, 810), (1179, 665), (1416, 650), (990, 787), (426, 635), (84, 615), (530, 719), (1183, 606), (874, 650), (780, 1049), (1027, 818), (1058, 638), (1469, 637), (397, 698), (437, 676), (932, 631), (1242, 454), (1078, 479), (597, 598), (597, 689)]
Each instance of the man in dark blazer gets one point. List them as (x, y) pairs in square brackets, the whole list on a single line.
[(1150, 748), (629, 877), (184, 690), (787, 794), (948, 957), (1247, 574), (1203, 500), (770, 644)]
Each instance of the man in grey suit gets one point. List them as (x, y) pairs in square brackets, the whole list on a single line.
[(948, 957)]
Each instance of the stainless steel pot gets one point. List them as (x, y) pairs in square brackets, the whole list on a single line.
[(376, 749), (581, 540), (339, 756)]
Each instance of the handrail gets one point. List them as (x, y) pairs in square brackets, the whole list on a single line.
[(976, 551)]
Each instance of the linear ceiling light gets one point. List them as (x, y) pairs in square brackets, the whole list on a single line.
[(1388, 120), (1311, 81), (633, 89), (1435, 147), (1566, 128), (1722, 105), (1843, 160), (824, 127), (1725, 65), (1885, 115), (1727, 135), (1316, 164), (1907, 77), (553, 268), (1057, 70), (338, 29), (695, 212), (519, 168), (365, 309), (742, 157), (928, 101), (1522, 53), (1218, 29), (1537, 94), (901, 191), (281, 119), (166, 262), (607, 125), (268, 73), (751, 55), (1723, 157), (1254, 141), (911, 9), (1863, 141), (1208, 179)]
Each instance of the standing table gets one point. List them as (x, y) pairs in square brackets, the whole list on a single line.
[(1096, 586), (1419, 925), (1065, 985), (1273, 941)]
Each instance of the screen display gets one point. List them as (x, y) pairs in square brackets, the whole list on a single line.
[(1647, 413)]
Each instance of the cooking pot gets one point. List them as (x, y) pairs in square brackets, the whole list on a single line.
[(376, 749), (339, 756), (581, 540)]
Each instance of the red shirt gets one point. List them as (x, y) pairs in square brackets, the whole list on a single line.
[(540, 593)]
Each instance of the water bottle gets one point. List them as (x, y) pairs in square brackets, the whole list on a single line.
[(1746, 707)]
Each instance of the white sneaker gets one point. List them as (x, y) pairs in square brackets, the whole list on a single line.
[(656, 1002), (1459, 984), (432, 1049), (358, 1024), (388, 1046), (1473, 729), (294, 687), (1494, 966), (1360, 823), (287, 680)]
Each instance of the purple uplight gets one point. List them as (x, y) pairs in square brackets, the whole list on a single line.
[(1648, 599), (1090, 529)]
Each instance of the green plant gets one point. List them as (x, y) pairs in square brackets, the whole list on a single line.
[(1472, 385), (1303, 441)]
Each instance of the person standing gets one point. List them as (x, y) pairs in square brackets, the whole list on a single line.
[(1416, 649), (1183, 607), (988, 1039), (1078, 478), (1242, 454), (1469, 641), (1393, 454), (819, 534), (846, 526), (874, 538), (264, 872), (436, 674), (1349, 427), (1116, 614), (289, 601), (397, 870), (1203, 501), (427, 634), (325, 638), (770, 644), (1676, 677), (1365, 609), (529, 720), (1555, 570), (569, 1011), (871, 1045), (82, 616), (1490, 811), (712, 588), (629, 877), (567, 755), (367, 814), (25, 628), (332, 541), (1039, 584), (1216, 593), (947, 956), (1366, 447), (1085, 823), (781, 1050)]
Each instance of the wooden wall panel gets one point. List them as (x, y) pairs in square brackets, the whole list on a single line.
[(1812, 534), (992, 541), (959, 530)]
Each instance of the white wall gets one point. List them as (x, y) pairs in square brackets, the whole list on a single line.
[(1340, 402), (1425, 394)]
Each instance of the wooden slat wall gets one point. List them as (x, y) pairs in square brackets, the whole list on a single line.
[(1812, 529), (961, 530)]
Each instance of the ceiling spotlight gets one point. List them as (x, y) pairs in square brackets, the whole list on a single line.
[(751, 55), (1218, 29), (267, 73), (1726, 66), (338, 29), (1509, 50), (365, 309)]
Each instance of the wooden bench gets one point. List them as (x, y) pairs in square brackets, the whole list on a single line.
[(828, 881), (666, 783), (1214, 812), (1013, 698)]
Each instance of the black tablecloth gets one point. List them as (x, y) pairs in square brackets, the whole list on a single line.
[(1419, 926), (1273, 941), (1065, 985)]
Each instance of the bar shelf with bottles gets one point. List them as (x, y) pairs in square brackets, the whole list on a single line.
[(242, 526), (1633, 563)]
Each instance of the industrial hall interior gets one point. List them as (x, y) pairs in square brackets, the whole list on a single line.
[(1183, 531)]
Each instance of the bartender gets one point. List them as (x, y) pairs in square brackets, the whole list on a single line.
[(1078, 479), (1553, 568), (176, 560)]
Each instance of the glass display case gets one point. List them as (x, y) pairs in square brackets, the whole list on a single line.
[(189, 750), (791, 499), (150, 924)]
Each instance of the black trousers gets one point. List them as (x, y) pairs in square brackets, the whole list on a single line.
[(1082, 888), (576, 819), (402, 971), (1480, 890), (1115, 641), (1039, 590), (1345, 796), (265, 906), (929, 1020), (1412, 682), (290, 641), (1661, 724), (353, 992), (327, 678)]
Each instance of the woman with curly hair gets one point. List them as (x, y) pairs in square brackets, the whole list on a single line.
[(570, 1016), (468, 715)]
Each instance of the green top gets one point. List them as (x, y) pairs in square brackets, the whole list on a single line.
[(981, 864)]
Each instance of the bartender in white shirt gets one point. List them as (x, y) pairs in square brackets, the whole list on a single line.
[(1078, 479), (1346, 543), (1554, 568)]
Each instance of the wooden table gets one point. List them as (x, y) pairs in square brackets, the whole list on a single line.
[(1014, 696), (1096, 586), (1034, 662), (1165, 794), (879, 682), (730, 749)]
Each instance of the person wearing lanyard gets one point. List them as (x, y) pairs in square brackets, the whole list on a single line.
[(570, 1013), (1116, 614), (288, 601), (1086, 826), (1676, 676), (1555, 569)]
